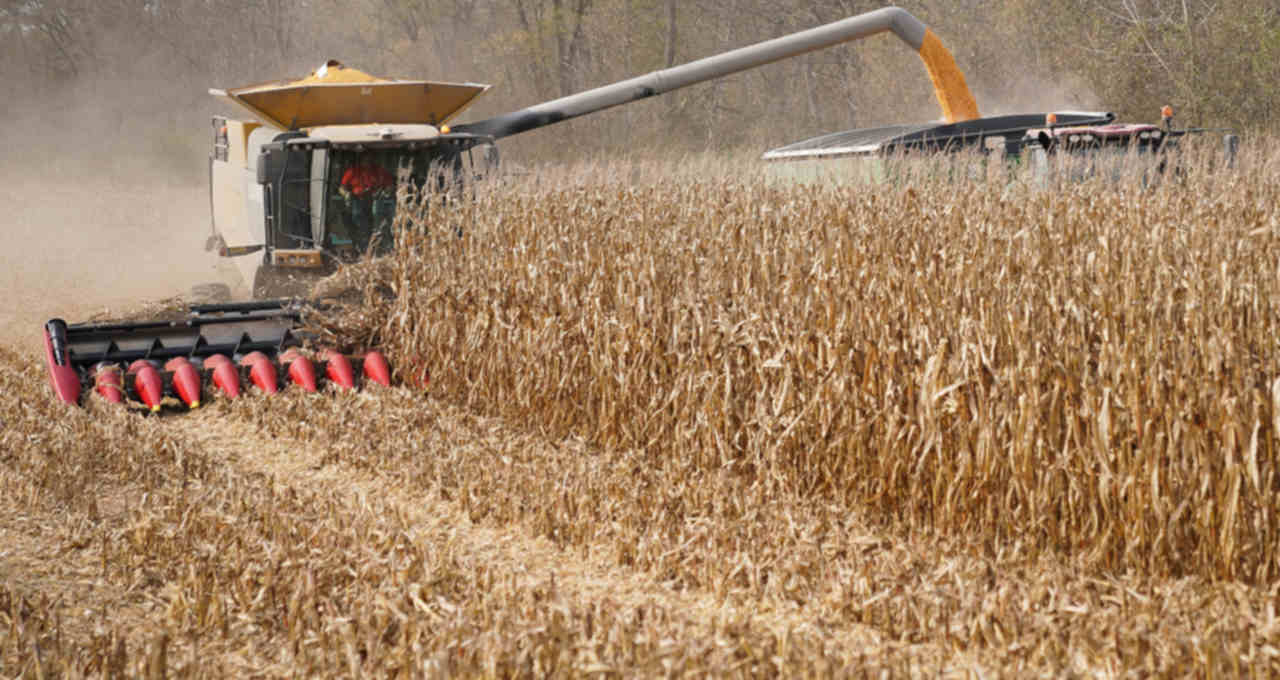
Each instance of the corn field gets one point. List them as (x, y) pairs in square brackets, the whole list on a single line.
[(1090, 370), (685, 420)]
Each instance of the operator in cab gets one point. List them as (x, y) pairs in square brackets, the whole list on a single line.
[(368, 191)]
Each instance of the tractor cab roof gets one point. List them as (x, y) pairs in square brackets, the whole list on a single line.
[(336, 95)]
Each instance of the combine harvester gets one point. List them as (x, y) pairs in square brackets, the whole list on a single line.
[(305, 186)]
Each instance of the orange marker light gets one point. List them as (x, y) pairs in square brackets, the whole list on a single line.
[(444, 129), (1051, 119)]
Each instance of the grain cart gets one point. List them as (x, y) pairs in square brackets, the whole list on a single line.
[(303, 183), (1068, 144)]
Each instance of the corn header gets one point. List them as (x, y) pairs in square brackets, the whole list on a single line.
[(217, 348)]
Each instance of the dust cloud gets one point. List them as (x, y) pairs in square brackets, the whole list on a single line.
[(99, 216), (1033, 94)]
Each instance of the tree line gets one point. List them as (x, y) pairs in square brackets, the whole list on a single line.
[(136, 63)]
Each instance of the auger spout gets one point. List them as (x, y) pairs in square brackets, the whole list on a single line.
[(948, 81)]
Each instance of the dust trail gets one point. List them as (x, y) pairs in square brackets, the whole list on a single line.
[(81, 242), (105, 204)]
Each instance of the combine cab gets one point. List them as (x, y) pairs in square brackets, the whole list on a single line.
[(225, 348), (312, 183)]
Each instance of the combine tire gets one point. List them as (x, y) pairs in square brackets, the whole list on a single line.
[(210, 293)]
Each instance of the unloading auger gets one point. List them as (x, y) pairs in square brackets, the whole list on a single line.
[(223, 348)]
